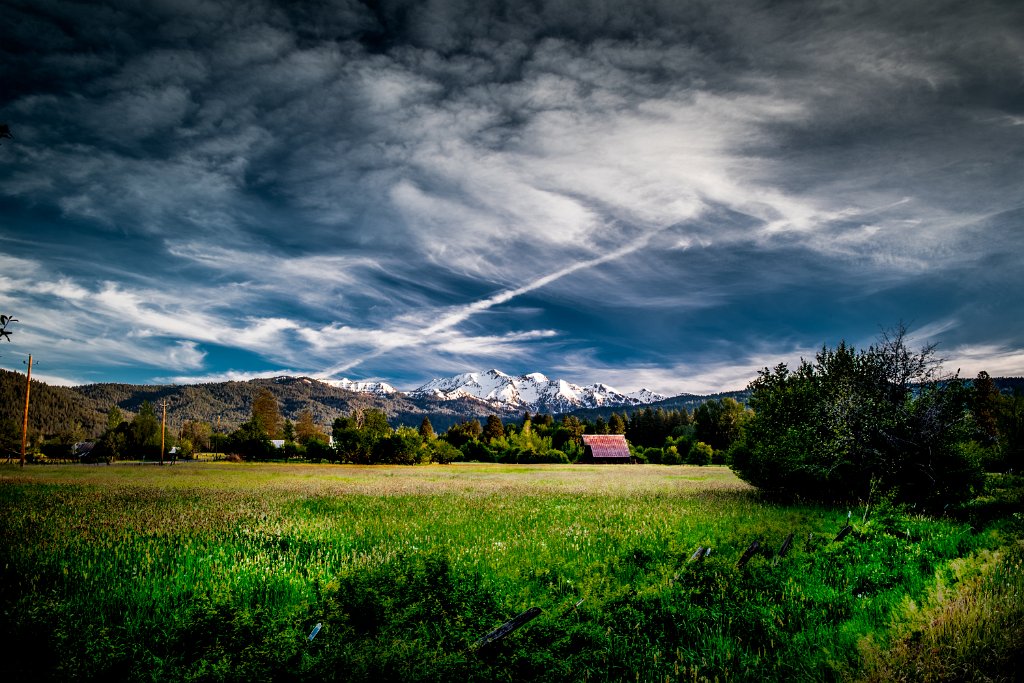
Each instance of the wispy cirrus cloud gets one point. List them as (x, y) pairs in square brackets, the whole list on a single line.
[(409, 188)]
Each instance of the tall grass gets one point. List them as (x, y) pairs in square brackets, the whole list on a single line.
[(220, 571)]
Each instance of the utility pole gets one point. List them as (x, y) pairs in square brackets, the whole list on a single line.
[(163, 429), (24, 424)]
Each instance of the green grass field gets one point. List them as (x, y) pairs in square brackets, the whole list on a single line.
[(219, 571)]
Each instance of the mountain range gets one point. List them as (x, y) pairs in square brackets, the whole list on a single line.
[(533, 392)]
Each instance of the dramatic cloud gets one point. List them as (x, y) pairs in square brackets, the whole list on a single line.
[(659, 193)]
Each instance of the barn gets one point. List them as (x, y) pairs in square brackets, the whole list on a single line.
[(605, 448)]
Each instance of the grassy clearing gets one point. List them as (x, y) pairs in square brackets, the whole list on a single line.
[(219, 571)]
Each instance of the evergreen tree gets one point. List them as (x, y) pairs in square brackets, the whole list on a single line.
[(306, 430), (494, 429), (427, 430)]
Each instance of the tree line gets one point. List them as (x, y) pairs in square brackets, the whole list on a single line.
[(365, 436), (849, 424)]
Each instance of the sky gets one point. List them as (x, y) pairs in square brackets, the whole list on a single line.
[(656, 193)]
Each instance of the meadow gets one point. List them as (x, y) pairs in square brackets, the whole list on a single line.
[(221, 571)]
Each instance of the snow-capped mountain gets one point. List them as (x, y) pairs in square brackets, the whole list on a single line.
[(378, 388), (533, 392)]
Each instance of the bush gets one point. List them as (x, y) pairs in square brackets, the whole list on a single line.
[(443, 452), (700, 454), (670, 456), (318, 450)]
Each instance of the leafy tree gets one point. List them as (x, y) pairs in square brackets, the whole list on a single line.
[(198, 433), (266, 414), (852, 422), (464, 432), (356, 436), (427, 430), (616, 425), (317, 449), (114, 418), (1011, 432), (375, 424), (144, 433), (10, 437), (985, 405), (113, 445), (719, 423), (700, 454), (347, 441), (443, 452), (250, 441), (185, 448), (402, 447), (666, 456), (569, 431)]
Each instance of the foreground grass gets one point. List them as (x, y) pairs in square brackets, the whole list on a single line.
[(220, 571)]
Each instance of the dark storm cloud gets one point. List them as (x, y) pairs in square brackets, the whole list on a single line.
[(323, 182)]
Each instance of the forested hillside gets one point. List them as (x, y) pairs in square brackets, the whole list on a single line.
[(52, 410), (55, 410)]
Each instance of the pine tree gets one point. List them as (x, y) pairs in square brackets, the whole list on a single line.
[(427, 430), (305, 429), (494, 429)]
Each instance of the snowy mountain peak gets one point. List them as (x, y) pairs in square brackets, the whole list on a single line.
[(533, 392), (378, 388)]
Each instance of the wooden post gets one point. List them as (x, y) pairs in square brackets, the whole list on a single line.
[(786, 545), (751, 550), (508, 627), (24, 424)]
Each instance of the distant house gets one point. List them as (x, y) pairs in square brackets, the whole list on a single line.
[(605, 448)]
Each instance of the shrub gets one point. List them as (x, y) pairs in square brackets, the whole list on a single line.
[(700, 454)]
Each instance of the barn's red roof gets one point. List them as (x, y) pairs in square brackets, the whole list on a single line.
[(606, 446)]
